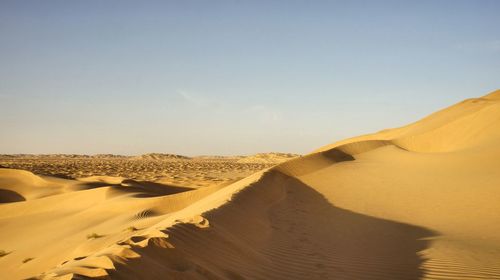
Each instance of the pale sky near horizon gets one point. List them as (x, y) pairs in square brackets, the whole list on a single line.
[(233, 77)]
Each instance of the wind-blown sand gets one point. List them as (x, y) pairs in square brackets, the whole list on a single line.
[(417, 202)]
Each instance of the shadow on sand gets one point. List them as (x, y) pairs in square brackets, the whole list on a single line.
[(136, 188), (281, 228)]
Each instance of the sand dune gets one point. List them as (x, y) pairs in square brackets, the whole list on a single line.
[(417, 202), (158, 168), (267, 158)]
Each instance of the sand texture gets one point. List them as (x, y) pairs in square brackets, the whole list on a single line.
[(157, 168), (416, 202)]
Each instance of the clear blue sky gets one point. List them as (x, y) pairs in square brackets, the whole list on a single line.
[(233, 77)]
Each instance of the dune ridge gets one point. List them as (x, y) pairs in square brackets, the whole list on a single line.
[(416, 202), (462, 126)]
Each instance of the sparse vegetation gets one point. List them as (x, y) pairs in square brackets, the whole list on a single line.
[(199, 172), (94, 236), (3, 253), (27, 260), (132, 228)]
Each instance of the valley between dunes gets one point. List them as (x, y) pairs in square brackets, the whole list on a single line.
[(416, 202)]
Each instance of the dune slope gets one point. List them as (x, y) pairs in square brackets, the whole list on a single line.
[(417, 202)]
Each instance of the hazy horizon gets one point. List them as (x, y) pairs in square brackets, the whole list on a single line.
[(231, 78)]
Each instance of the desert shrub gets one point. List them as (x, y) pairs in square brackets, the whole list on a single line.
[(94, 236)]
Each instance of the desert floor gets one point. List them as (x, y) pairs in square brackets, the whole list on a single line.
[(186, 172), (417, 202)]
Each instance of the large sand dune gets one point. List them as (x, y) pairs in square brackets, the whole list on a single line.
[(417, 202)]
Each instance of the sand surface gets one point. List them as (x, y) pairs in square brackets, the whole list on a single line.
[(192, 172), (417, 202)]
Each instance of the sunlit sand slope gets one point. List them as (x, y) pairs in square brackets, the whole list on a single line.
[(417, 202)]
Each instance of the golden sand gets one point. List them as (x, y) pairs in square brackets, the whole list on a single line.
[(417, 202)]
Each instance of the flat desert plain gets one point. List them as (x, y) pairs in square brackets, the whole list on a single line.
[(417, 202)]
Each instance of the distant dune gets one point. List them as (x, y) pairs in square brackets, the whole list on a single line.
[(268, 158), (161, 156), (61, 156), (416, 202), (271, 157), (170, 169)]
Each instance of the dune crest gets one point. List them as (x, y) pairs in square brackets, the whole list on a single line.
[(416, 202), (465, 125)]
